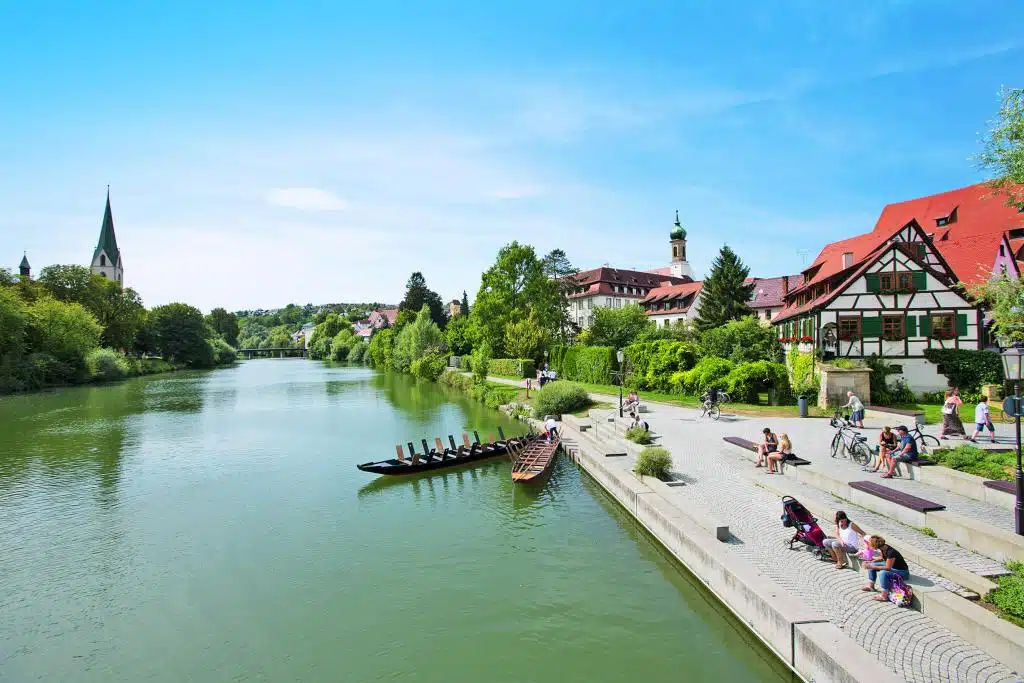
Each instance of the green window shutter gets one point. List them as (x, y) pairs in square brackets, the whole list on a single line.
[(961, 324), (871, 327), (925, 322), (874, 282), (920, 281), (911, 325), (920, 250)]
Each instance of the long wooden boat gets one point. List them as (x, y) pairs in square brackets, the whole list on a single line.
[(438, 457), (533, 462)]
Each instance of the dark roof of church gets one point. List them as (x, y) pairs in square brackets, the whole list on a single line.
[(108, 241), (24, 262)]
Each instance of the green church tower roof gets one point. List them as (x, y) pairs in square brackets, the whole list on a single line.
[(24, 262), (677, 232), (108, 241)]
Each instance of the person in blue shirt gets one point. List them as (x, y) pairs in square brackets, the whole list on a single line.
[(906, 451)]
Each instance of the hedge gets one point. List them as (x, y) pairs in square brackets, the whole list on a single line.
[(967, 369), (747, 380), (557, 398), (514, 368), (592, 364), (652, 364), (709, 372)]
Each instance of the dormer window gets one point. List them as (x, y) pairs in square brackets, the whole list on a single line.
[(939, 222)]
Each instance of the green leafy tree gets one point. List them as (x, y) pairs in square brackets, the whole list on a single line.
[(7, 278), (558, 267), (225, 324), (481, 362), (14, 323), (1004, 299), (742, 341), (280, 337), (457, 335), (402, 319), (416, 340), (71, 283), (525, 338), (464, 309), (619, 327), (342, 344), (181, 335), (66, 331), (118, 309), (1003, 148), (322, 340), (418, 295), (725, 293), (252, 335)]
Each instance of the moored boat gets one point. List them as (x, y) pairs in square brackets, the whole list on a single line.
[(532, 463), (440, 457)]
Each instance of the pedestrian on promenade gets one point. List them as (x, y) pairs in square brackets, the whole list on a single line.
[(887, 563), (775, 459), (770, 444), (951, 423), (856, 407), (846, 540), (983, 419), (906, 451)]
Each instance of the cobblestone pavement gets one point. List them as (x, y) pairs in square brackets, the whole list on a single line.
[(911, 643)]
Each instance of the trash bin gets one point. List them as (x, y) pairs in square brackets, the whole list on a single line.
[(801, 402)]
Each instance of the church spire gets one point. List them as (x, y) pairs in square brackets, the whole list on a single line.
[(106, 259), (677, 230), (25, 269)]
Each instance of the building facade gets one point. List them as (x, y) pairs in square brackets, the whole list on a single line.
[(383, 317), (454, 308), (106, 259), (671, 304)]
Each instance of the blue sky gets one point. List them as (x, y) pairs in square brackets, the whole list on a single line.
[(264, 153)]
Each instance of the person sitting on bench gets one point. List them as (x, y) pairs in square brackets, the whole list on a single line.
[(769, 445), (906, 451), (775, 459), (886, 445), (632, 402)]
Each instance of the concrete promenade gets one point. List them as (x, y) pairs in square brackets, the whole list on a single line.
[(720, 480)]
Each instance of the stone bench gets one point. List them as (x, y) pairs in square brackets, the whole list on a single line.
[(897, 497), (751, 446), (1004, 486), (883, 411)]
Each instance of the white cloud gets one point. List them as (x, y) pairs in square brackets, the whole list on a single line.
[(305, 199)]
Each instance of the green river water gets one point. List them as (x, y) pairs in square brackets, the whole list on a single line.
[(213, 527)]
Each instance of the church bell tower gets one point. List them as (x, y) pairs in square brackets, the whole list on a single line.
[(679, 267), (106, 260)]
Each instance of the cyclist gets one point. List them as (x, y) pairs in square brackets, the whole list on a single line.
[(713, 396)]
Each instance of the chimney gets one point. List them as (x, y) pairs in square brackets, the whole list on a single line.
[(847, 259), (785, 285)]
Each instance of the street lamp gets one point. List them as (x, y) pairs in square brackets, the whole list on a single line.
[(1013, 367), (621, 356)]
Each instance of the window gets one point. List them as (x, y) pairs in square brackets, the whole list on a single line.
[(608, 302), (590, 303), (896, 282), (942, 221), (849, 327), (103, 259), (894, 327), (943, 325)]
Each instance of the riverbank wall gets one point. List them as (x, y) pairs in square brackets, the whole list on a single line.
[(805, 640)]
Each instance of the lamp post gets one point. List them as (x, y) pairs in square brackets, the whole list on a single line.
[(1013, 359), (620, 356)]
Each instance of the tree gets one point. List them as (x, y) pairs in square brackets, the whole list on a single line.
[(280, 337), (71, 283), (322, 340), (510, 290), (742, 341), (417, 295), (66, 331), (118, 310), (14, 322), (7, 278), (252, 335), (1004, 299), (1003, 148), (525, 338), (180, 335), (379, 353), (225, 324), (416, 340), (724, 295), (619, 327), (457, 335), (558, 267), (464, 308)]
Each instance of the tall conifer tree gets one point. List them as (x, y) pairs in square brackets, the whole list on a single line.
[(724, 296), (465, 304)]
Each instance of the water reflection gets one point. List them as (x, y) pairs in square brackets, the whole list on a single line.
[(176, 394)]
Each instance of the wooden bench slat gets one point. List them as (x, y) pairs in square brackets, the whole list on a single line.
[(751, 446), (998, 485), (898, 497)]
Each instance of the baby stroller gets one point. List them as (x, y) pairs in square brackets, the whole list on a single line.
[(804, 523)]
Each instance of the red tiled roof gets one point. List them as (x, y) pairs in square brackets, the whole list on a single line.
[(602, 280), (683, 295), (973, 257)]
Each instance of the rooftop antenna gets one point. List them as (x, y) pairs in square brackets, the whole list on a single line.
[(803, 255)]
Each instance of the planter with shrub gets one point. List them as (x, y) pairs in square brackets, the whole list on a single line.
[(558, 398), (639, 435), (654, 461)]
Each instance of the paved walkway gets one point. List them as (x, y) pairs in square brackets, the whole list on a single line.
[(723, 481)]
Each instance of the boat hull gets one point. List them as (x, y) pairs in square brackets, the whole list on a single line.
[(394, 467), (534, 465)]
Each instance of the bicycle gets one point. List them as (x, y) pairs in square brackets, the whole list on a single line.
[(924, 439), (840, 418), (852, 443), (709, 409)]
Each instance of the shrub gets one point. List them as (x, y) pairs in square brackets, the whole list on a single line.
[(653, 363), (106, 365), (429, 367), (559, 397), (976, 461), (357, 354), (1009, 596), (466, 363), (747, 380), (705, 374), (223, 354), (593, 364), (843, 364), (456, 380), (514, 368), (654, 461), (804, 378), (638, 435), (742, 341), (481, 362), (967, 369)]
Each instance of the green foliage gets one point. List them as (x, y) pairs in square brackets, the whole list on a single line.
[(638, 435), (1009, 596), (456, 335), (804, 377), (592, 364), (223, 353), (560, 397), (464, 309), (618, 327), (843, 364), (976, 461), (741, 341), (65, 331), (708, 373), (513, 368), (252, 336), (654, 461), (652, 364), (430, 366), (881, 393), (342, 344), (357, 354), (967, 369), (14, 322), (456, 380), (747, 380), (416, 340), (525, 338), (280, 337), (106, 365), (225, 324), (321, 341), (1003, 151), (379, 353), (928, 531), (725, 295), (418, 295), (1003, 297), (180, 334), (481, 362)]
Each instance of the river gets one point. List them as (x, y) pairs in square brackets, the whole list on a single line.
[(212, 527)]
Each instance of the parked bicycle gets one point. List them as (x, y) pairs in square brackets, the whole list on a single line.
[(852, 443), (923, 440), (840, 417)]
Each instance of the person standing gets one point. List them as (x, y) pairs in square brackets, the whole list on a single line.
[(983, 420), (856, 407), (951, 423)]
